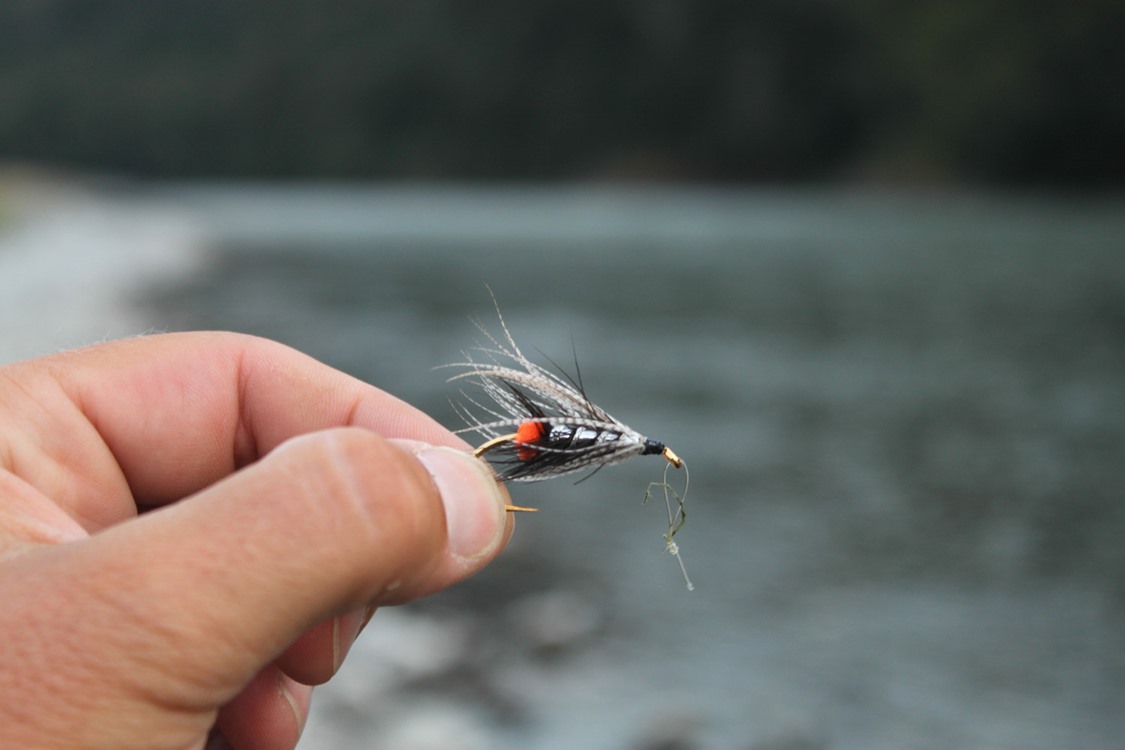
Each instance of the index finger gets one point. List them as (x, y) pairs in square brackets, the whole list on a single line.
[(177, 412)]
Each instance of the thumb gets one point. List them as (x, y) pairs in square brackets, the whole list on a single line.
[(186, 604)]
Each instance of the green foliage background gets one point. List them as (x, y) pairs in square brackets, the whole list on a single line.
[(988, 91)]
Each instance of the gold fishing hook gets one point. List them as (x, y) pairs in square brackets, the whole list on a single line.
[(482, 449), (669, 454)]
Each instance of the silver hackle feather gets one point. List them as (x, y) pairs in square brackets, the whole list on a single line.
[(519, 392), (558, 400)]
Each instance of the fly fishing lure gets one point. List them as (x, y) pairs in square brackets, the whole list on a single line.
[(541, 425)]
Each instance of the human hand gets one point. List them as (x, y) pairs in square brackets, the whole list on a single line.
[(288, 501)]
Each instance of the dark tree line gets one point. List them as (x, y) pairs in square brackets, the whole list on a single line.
[(992, 91)]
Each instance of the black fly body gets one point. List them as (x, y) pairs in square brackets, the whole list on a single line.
[(540, 425)]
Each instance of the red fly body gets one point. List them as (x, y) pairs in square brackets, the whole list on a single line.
[(539, 425)]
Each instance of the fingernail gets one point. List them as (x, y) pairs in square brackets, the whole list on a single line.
[(287, 696), (474, 501), (368, 613), (345, 629)]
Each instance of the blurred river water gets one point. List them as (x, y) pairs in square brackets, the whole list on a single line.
[(904, 417)]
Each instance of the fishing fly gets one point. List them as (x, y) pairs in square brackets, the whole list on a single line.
[(538, 425)]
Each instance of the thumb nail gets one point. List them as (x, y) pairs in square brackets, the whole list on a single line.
[(474, 501)]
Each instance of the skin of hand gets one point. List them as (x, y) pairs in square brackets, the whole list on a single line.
[(195, 527)]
